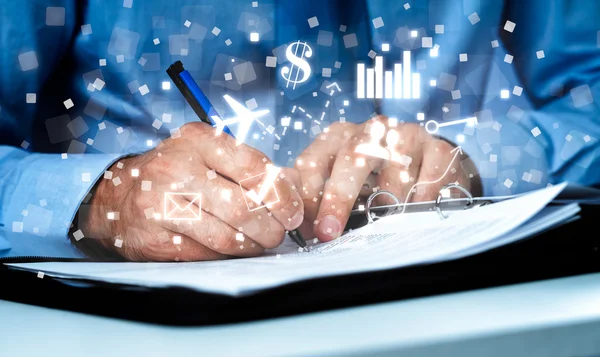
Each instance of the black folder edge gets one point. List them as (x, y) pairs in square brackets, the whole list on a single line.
[(560, 252)]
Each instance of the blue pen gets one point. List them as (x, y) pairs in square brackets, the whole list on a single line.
[(205, 111), (193, 94)]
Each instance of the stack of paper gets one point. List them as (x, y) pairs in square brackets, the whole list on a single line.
[(391, 242)]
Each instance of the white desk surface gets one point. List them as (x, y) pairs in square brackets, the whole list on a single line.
[(559, 317)]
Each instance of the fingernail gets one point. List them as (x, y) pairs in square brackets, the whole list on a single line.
[(297, 220), (330, 227)]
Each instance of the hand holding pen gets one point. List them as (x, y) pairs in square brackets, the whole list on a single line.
[(207, 114), (187, 200)]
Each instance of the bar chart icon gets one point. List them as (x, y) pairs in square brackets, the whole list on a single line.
[(375, 83)]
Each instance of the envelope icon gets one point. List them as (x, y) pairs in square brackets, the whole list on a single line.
[(181, 206)]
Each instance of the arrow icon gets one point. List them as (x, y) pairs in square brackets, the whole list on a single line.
[(334, 84), (457, 150)]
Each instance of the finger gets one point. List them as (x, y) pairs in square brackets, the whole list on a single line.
[(250, 169), (332, 139), (167, 245), (368, 188), (314, 166), (187, 249), (226, 201), (350, 170), (315, 171), (218, 236), (235, 162), (293, 177), (402, 170), (441, 165), (370, 183), (275, 192), (305, 227)]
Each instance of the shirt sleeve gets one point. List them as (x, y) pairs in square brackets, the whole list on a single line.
[(556, 56), (39, 196), (40, 192)]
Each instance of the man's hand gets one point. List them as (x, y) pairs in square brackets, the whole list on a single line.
[(337, 169), (196, 162)]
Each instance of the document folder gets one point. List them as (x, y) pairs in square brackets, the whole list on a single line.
[(560, 249)]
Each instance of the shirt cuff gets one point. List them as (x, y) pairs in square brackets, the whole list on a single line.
[(41, 195)]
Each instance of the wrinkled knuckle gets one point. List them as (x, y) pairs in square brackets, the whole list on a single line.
[(222, 141), (191, 129), (256, 162), (158, 166), (129, 255), (220, 242), (213, 242), (134, 254), (223, 145)]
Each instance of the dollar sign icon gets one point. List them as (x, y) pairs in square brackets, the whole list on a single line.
[(299, 64)]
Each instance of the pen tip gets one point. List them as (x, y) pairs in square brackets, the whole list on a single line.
[(297, 238)]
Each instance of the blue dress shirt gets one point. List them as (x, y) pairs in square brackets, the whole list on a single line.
[(83, 83)]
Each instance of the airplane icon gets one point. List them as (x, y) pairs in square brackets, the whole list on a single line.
[(244, 116)]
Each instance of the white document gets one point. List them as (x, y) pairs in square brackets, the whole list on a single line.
[(391, 242)]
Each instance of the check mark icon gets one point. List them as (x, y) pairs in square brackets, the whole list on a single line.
[(264, 188)]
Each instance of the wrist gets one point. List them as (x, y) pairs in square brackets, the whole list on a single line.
[(94, 221), (94, 244)]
